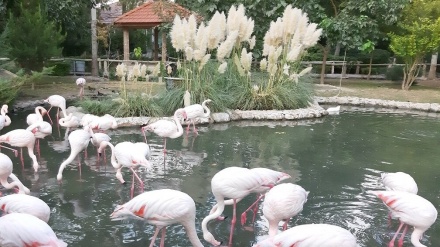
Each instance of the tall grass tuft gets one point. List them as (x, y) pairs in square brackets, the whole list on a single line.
[(97, 107), (137, 105)]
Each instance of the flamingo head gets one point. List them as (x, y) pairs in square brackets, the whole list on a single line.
[(122, 213), (43, 111), (184, 115), (101, 147), (210, 238), (283, 176)]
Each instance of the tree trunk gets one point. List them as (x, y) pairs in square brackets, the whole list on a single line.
[(433, 68), (369, 67), (94, 44), (338, 49), (164, 47), (410, 72), (324, 61)]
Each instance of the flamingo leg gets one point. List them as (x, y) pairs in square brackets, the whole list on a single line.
[(254, 210), (187, 128), (132, 187), (285, 224), (145, 136), (164, 146), (391, 244), (389, 219), (400, 242), (58, 114), (154, 236), (48, 115), (15, 150), (194, 127), (97, 153), (234, 220), (243, 215), (162, 239), (21, 158), (139, 179)]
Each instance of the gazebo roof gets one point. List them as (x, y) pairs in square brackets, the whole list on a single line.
[(151, 14)]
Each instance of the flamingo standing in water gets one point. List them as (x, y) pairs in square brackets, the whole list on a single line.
[(196, 111), (18, 229), (4, 119), (96, 140), (79, 140), (162, 208), (6, 172), (283, 202), (56, 101), (69, 122), (81, 82), (127, 154), (165, 128), (40, 129), (234, 183), (399, 181), (23, 138), (20, 203), (103, 123), (410, 209), (311, 235), (37, 116)]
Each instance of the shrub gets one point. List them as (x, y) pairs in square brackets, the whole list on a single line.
[(59, 68), (137, 105), (395, 73), (9, 89), (97, 107)]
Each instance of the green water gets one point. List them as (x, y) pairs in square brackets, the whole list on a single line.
[(336, 158)]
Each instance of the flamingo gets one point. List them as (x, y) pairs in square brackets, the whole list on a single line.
[(56, 101), (21, 203), (195, 111), (103, 123), (22, 138), (97, 138), (4, 119), (165, 128), (399, 181), (37, 116), (81, 82), (410, 209), (87, 119), (6, 172), (311, 235), (162, 208), (69, 122), (41, 130), (127, 154), (79, 140), (234, 183), (18, 229), (283, 202)]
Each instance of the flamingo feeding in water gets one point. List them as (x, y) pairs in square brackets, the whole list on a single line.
[(96, 140), (6, 172), (162, 208), (103, 123), (40, 129), (399, 181), (69, 122), (21, 203), (196, 111), (18, 229), (311, 235), (410, 209), (56, 101), (81, 82), (22, 138), (166, 128), (37, 116), (4, 119), (283, 202)]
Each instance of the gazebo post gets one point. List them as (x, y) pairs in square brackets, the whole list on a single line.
[(156, 44), (126, 45), (164, 47)]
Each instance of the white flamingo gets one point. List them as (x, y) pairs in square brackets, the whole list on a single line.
[(283, 202), (162, 208), (69, 122), (81, 82), (196, 111), (127, 154), (23, 138), (311, 235), (4, 119), (40, 129), (6, 172), (87, 119), (21, 203), (37, 116), (56, 101), (167, 129), (79, 140), (410, 209), (399, 181), (97, 138), (18, 229), (103, 123)]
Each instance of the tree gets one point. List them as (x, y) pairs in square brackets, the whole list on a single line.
[(368, 48), (419, 39), (31, 39)]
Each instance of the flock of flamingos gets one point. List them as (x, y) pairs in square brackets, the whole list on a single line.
[(25, 217)]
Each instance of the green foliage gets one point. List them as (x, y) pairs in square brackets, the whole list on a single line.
[(31, 39), (60, 68), (9, 89), (395, 73), (137, 52), (137, 105), (97, 107)]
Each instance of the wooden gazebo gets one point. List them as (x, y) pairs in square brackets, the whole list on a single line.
[(149, 15)]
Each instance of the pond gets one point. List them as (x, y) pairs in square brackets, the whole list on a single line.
[(336, 158)]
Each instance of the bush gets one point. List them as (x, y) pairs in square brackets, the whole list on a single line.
[(10, 66), (137, 105), (59, 68), (10, 89), (395, 73)]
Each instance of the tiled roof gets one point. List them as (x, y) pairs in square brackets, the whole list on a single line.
[(151, 14)]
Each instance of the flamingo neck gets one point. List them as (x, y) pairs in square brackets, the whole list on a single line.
[(73, 154), (192, 234), (416, 236), (179, 125), (220, 207), (273, 228), (7, 120), (113, 160), (208, 112)]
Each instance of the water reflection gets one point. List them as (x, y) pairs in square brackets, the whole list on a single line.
[(336, 158)]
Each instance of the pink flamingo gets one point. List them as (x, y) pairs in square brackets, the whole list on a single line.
[(311, 235), (127, 154), (23, 138), (165, 128), (283, 202), (195, 111), (410, 209), (37, 116), (6, 172), (56, 101), (69, 122), (4, 119), (103, 123), (87, 119), (81, 82), (162, 208), (20, 203), (40, 129), (399, 181), (18, 229), (96, 140), (79, 140), (234, 183)]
